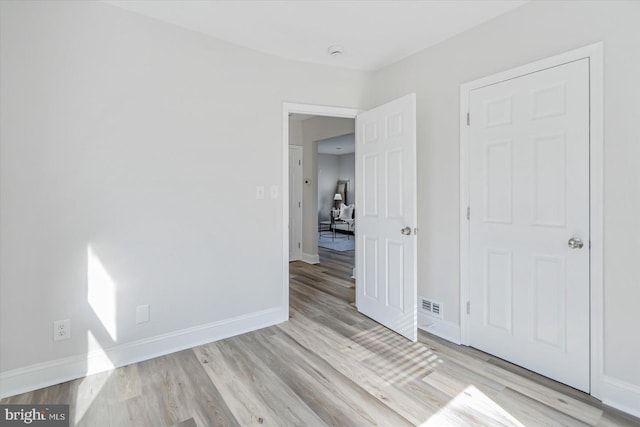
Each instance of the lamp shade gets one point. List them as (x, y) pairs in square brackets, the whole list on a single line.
[(337, 197)]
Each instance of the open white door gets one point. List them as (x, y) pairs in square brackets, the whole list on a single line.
[(386, 247)]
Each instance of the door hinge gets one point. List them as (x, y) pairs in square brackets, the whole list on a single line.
[(468, 307), (299, 205), (299, 162), (468, 119), (468, 213), (298, 245)]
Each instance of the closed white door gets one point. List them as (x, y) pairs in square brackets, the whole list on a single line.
[(386, 215), (529, 221), (295, 203)]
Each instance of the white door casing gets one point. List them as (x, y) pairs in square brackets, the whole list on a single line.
[(295, 203), (289, 108), (528, 195), (386, 259)]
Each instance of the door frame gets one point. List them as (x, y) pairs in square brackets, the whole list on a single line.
[(315, 110), (300, 149), (594, 53)]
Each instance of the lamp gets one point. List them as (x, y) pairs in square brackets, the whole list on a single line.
[(337, 198)]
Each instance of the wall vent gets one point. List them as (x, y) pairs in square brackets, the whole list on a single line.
[(430, 307)]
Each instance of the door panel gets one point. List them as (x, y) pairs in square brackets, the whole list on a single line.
[(498, 290), (548, 175), (370, 184), (497, 181), (549, 288), (385, 204), (529, 194), (370, 269)]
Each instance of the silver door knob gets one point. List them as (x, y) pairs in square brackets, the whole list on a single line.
[(575, 243), (406, 231)]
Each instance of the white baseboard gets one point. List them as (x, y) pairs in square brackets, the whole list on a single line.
[(311, 259), (45, 374), (620, 394), (441, 328)]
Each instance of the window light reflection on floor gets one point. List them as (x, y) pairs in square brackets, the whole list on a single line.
[(99, 369), (471, 407)]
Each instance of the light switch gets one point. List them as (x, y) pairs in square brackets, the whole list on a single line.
[(274, 191), (260, 192)]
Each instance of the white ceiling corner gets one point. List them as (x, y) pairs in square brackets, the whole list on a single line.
[(373, 33)]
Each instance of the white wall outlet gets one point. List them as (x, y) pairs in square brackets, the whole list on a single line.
[(274, 191), (142, 313), (260, 192), (61, 329)]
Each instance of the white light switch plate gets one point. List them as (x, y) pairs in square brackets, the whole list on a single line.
[(260, 192)]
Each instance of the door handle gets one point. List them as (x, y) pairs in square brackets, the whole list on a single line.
[(406, 231), (575, 243)]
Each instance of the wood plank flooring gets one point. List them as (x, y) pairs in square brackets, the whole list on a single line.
[(327, 366)]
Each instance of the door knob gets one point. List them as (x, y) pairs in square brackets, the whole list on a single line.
[(406, 231), (575, 243)]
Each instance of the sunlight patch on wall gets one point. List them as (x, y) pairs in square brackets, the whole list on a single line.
[(101, 293)]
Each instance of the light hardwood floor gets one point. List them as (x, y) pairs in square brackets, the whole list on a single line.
[(328, 365)]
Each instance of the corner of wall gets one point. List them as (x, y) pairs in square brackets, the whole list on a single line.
[(311, 258)]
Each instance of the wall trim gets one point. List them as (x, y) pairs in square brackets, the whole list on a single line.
[(620, 394), (449, 331), (57, 371), (309, 259), (594, 53)]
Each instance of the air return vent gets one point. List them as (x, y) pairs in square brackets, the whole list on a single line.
[(430, 307)]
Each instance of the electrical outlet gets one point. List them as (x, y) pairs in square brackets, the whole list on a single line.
[(61, 329)]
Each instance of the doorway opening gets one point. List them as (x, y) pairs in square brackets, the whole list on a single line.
[(386, 209), (336, 186), (303, 126)]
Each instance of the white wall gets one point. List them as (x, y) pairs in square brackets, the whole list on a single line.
[(534, 31), (314, 130), (328, 173), (143, 142)]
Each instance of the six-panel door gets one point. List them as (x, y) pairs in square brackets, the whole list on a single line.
[(529, 195), (385, 205)]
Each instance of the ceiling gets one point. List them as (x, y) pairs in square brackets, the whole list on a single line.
[(338, 145), (373, 34)]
